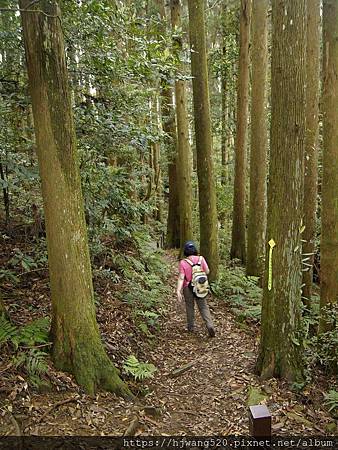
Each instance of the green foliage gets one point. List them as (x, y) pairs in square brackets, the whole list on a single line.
[(7, 330), (24, 339), (241, 292), (331, 400), (25, 261), (35, 333), (34, 363), (321, 349), (138, 370), (8, 275)]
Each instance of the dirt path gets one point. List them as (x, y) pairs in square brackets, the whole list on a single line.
[(206, 398), (210, 398)]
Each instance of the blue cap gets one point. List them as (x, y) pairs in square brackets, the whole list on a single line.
[(190, 246)]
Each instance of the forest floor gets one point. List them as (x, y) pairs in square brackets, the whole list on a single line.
[(209, 398)]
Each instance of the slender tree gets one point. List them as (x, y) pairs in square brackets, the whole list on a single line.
[(169, 127), (205, 171), (224, 105), (3, 311), (184, 159), (238, 219), (311, 143), (259, 140), (280, 347), (329, 234), (77, 347)]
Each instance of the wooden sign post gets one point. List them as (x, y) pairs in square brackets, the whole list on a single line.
[(259, 421)]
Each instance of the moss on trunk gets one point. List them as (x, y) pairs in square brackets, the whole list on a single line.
[(238, 249), (281, 339), (76, 341), (311, 143), (204, 151), (259, 141), (184, 157), (329, 236)]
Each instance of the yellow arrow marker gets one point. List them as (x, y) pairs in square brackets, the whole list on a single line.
[(272, 244)]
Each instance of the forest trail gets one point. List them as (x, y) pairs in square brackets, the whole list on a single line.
[(209, 398)]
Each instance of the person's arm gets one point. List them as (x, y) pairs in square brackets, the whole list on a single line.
[(180, 281)]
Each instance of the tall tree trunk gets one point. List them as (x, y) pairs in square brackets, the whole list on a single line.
[(238, 220), (77, 347), (329, 235), (224, 106), (3, 311), (205, 170), (259, 140), (169, 127), (5, 193), (311, 144), (173, 226), (281, 347), (184, 158)]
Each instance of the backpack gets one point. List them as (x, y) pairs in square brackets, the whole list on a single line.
[(199, 281)]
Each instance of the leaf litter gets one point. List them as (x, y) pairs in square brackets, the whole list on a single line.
[(209, 396)]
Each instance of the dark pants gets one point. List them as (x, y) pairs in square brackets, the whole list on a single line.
[(203, 307)]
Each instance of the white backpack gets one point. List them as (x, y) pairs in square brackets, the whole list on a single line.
[(199, 281)]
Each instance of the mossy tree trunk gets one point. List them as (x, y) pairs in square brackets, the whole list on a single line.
[(204, 151), (3, 310), (259, 140), (281, 346), (77, 346), (169, 127), (329, 235), (311, 144), (224, 106), (238, 249), (184, 156)]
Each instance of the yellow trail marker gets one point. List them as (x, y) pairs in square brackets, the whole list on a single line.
[(272, 244)]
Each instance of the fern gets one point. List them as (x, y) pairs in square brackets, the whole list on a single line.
[(137, 369), (32, 334), (7, 330), (331, 400), (36, 362)]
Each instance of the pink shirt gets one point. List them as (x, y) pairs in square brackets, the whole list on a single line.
[(186, 269)]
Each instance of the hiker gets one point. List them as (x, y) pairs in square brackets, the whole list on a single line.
[(193, 271)]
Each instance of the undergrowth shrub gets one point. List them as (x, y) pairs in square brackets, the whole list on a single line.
[(25, 344), (138, 370), (321, 349), (331, 402), (241, 292)]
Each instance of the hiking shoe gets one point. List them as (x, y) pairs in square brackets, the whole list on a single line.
[(211, 332)]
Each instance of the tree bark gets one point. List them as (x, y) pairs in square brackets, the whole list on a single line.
[(281, 347), (5, 193), (169, 127), (205, 170), (184, 157), (77, 347), (238, 249), (259, 140), (224, 106), (329, 235), (311, 144), (3, 310)]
